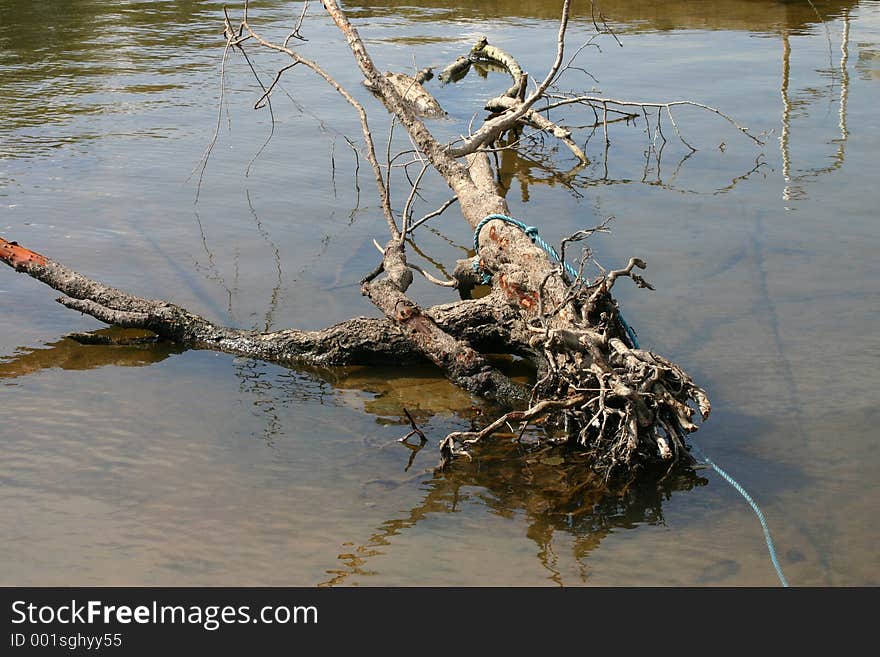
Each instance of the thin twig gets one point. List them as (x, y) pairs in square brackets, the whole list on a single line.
[(407, 208), (433, 214), (295, 33), (589, 100), (362, 115)]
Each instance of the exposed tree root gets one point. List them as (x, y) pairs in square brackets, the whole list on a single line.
[(625, 406)]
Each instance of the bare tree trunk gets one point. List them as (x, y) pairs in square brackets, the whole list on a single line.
[(596, 390)]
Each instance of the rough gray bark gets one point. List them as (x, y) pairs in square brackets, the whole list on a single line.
[(625, 406), (358, 341)]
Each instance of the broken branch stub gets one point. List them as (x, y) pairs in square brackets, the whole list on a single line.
[(411, 91)]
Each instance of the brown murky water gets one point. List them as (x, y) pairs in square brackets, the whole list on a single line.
[(145, 465)]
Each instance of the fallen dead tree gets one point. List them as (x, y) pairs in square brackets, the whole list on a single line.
[(595, 389)]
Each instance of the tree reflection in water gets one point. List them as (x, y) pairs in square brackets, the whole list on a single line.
[(68, 354), (554, 496), (554, 490)]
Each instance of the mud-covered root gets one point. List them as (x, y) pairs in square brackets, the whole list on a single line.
[(626, 407), (633, 409), (642, 412)]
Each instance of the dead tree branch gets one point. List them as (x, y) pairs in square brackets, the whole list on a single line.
[(359, 341), (596, 391)]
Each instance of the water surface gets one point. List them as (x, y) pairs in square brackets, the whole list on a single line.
[(148, 465)]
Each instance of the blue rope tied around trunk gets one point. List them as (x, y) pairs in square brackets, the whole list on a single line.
[(536, 238)]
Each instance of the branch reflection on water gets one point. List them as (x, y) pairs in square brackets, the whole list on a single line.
[(536, 165), (794, 179), (555, 492), (557, 499), (68, 354)]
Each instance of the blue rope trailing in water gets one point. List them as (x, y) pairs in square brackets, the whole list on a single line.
[(532, 233), (748, 498)]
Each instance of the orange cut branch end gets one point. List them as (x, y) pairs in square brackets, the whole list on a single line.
[(18, 256)]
